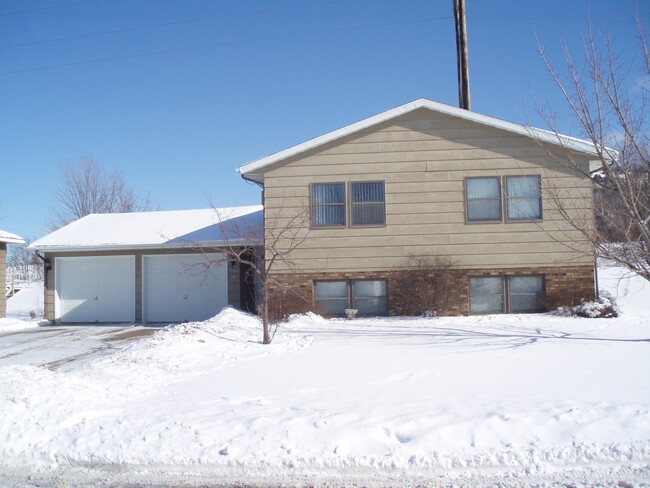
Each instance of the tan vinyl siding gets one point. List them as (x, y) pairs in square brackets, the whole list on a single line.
[(233, 275), (423, 158), (3, 275)]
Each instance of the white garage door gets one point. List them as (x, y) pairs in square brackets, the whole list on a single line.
[(95, 289), (179, 288)]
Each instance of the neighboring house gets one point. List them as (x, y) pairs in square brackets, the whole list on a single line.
[(148, 266), (5, 238), (428, 179)]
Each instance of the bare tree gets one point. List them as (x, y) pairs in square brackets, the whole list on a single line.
[(261, 252), (85, 188), (24, 262), (611, 111)]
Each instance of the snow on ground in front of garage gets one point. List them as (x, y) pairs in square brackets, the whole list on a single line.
[(10, 324), (519, 400), (20, 307)]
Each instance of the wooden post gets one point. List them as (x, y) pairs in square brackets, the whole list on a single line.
[(461, 53)]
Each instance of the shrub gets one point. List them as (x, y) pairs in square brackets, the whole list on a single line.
[(284, 303), (424, 285), (601, 308)]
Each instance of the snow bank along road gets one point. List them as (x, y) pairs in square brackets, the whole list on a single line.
[(524, 400)]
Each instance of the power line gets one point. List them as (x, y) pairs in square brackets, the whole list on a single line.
[(166, 24), (47, 8), (547, 19), (222, 44)]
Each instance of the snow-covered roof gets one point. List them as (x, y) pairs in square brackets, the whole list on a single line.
[(10, 238), (147, 230), (252, 170)]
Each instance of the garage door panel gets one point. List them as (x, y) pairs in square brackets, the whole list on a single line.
[(178, 288), (97, 289)]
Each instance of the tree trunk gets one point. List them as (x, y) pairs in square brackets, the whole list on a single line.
[(265, 323)]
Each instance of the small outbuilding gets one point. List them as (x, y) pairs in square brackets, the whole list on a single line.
[(155, 267), (5, 238)]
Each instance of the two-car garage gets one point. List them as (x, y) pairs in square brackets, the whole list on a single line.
[(142, 287), (150, 266)]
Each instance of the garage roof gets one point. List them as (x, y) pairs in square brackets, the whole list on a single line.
[(10, 238), (147, 230)]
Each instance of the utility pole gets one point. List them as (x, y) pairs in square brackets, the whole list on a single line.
[(461, 54)]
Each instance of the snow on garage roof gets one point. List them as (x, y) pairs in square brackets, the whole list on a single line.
[(147, 230), (10, 238)]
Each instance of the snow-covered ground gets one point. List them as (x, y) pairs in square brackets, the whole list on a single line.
[(520, 400), (27, 303)]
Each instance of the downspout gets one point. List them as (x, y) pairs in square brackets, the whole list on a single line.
[(46, 263), (593, 220), (256, 292)]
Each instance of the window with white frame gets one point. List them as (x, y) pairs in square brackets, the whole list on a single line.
[(368, 296), (509, 294), (523, 197)]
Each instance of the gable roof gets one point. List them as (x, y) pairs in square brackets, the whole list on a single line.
[(253, 169), (10, 238), (148, 230)]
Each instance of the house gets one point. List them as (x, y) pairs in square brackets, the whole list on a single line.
[(5, 238), (169, 266), (431, 180)]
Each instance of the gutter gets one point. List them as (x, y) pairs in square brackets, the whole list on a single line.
[(566, 142), (251, 180), (142, 247)]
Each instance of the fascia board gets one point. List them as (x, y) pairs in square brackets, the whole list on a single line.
[(13, 239), (566, 142), (142, 247)]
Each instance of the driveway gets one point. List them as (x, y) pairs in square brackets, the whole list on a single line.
[(56, 347)]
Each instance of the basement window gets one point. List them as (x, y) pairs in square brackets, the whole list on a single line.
[(368, 296), (506, 294)]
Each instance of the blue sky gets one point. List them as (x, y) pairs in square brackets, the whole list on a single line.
[(233, 81)]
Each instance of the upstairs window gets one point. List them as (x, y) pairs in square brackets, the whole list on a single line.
[(368, 207), (328, 204), (330, 207), (483, 199), (523, 194)]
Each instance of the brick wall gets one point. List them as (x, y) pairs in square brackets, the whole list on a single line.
[(563, 286)]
